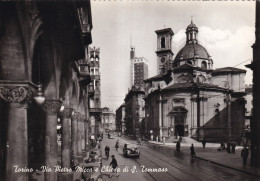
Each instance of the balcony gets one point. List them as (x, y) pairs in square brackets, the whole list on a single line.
[(95, 110)]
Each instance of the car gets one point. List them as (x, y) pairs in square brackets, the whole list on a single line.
[(92, 172), (131, 150)]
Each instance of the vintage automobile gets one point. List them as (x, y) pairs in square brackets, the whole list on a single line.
[(92, 172), (131, 150)]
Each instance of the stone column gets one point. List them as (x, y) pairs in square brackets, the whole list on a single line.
[(160, 117), (83, 133), (65, 145), (74, 137), (18, 95), (51, 107), (80, 137)]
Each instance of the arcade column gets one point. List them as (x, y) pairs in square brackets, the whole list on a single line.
[(51, 108), (18, 95), (74, 137)]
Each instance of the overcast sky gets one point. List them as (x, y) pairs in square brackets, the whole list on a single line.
[(226, 30)]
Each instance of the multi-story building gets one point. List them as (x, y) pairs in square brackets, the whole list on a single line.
[(138, 69), (134, 111), (95, 96), (120, 119), (190, 98), (108, 120)]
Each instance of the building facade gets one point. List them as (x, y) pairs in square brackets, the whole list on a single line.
[(108, 120), (255, 66), (120, 119), (95, 99), (190, 98), (138, 69), (134, 111)]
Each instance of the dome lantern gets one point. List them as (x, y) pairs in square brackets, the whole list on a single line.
[(191, 33)]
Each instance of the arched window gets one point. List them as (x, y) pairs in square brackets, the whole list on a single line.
[(162, 42), (204, 64), (216, 111), (189, 62)]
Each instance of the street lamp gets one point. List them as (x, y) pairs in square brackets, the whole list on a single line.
[(39, 98)]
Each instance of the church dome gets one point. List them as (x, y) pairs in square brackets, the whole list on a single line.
[(192, 25), (191, 51)]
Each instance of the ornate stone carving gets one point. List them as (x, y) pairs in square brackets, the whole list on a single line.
[(75, 116), (67, 112), (82, 118), (52, 106), (18, 92), (32, 9)]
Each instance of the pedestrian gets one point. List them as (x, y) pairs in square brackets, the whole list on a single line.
[(107, 149), (178, 146), (244, 155), (117, 144), (114, 165), (192, 151), (139, 141), (204, 142)]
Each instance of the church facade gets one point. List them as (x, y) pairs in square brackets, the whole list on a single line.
[(190, 98)]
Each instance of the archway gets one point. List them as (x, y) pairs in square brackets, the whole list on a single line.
[(179, 114)]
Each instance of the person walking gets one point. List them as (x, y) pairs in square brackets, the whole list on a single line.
[(114, 165), (244, 155), (204, 142), (178, 146), (117, 144), (139, 141), (107, 149), (192, 151)]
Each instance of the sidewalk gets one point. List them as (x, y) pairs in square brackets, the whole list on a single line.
[(222, 158)]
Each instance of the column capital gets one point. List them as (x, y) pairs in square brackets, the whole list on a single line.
[(17, 91), (75, 116), (51, 106), (82, 118), (67, 113)]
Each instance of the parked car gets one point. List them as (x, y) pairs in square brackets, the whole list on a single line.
[(92, 172), (131, 150)]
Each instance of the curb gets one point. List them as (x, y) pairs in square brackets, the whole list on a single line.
[(237, 169)]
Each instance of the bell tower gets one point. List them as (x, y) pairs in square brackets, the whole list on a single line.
[(164, 50)]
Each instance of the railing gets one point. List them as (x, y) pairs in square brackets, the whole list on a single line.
[(95, 110)]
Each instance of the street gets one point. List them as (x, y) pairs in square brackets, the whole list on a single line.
[(173, 165)]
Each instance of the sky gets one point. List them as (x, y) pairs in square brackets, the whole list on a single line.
[(226, 30)]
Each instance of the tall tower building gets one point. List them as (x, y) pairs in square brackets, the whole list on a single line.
[(95, 99), (138, 69), (164, 50)]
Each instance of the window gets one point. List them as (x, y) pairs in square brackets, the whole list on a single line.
[(163, 60), (162, 42), (91, 71), (204, 64), (189, 62)]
